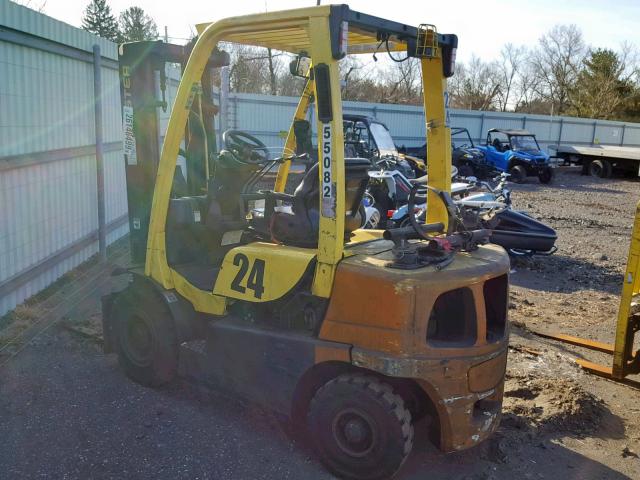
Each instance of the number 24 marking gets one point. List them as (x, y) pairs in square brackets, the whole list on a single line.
[(255, 281)]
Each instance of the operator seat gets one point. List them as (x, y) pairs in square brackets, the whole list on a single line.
[(301, 227)]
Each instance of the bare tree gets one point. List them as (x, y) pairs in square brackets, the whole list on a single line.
[(476, 85), (273, 81), (351, 76), (557, 60), (402, 82), (512, 59), (254, 69), (37, 5), (525, 93)]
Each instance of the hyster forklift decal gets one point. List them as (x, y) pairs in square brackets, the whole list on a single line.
[(264, 284)]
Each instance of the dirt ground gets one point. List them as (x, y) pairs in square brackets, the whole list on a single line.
[(549, 401), (67, 411)]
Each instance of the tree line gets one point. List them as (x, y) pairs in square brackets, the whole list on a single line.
[(560, 75), (132, 25)]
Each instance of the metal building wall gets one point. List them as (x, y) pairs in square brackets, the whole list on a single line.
[(48, 193)]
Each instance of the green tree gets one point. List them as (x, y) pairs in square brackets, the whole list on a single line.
[(602, 89), (98, 19), (135, 25)]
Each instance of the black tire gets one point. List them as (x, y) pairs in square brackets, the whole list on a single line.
[(546, 175), (600, 168), (518, 174), (146, 339), (360, 428), (465, 171)]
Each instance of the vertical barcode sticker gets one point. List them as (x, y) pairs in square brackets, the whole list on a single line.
[(129, 138), (328, 190)]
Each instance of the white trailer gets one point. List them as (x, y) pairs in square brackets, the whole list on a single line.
[(601, 160)]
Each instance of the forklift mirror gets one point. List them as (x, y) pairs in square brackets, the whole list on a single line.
[(299, 66)]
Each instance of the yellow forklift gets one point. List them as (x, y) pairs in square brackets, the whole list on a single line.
[(354, 334)]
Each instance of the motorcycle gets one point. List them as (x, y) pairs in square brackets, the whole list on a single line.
[(518, 232), (389, 188)]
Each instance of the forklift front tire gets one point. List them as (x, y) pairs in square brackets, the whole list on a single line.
[(361, 428), (147, 343)]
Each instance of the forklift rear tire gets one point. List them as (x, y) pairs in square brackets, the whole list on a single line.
[(361, 429), (518, 174), (146, 337)]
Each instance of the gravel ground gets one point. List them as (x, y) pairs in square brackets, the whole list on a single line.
[(67, 411)]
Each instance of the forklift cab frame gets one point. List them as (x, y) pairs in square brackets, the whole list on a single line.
[(328, 33), (305, 330)]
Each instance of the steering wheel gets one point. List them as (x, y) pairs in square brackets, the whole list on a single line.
[(445, 198), (246, 148)]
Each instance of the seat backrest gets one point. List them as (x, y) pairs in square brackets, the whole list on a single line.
[(302, 132), (356, 179)]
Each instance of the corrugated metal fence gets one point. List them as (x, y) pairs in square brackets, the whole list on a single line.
[(266, 116), (48, 194), (48, 204)]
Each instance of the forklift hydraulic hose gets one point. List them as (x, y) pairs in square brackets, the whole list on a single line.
[(410, 232)]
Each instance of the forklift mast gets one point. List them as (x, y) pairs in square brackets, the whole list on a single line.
[(143, 90)]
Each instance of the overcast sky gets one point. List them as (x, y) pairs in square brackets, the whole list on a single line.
[(482, 26)]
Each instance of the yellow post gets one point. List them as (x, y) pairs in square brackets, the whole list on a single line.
[(434, 86), (624, 335), (331, 147), (290, 143)]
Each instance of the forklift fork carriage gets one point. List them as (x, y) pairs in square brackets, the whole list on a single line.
[(625, 361)]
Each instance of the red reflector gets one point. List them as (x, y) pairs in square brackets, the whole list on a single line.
[(390, 213)]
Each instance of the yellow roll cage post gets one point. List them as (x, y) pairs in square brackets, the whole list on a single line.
[(325, 32), (624, 360), (290, 143)]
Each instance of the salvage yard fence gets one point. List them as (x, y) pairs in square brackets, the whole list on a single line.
[(266, 116), (48, 187), (52, 155)]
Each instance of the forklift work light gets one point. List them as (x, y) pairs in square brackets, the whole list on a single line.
[(323, 91), (449, 61), (344, 38)]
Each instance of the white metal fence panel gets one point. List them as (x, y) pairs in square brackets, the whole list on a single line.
[(48, 192), (266, 117)]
